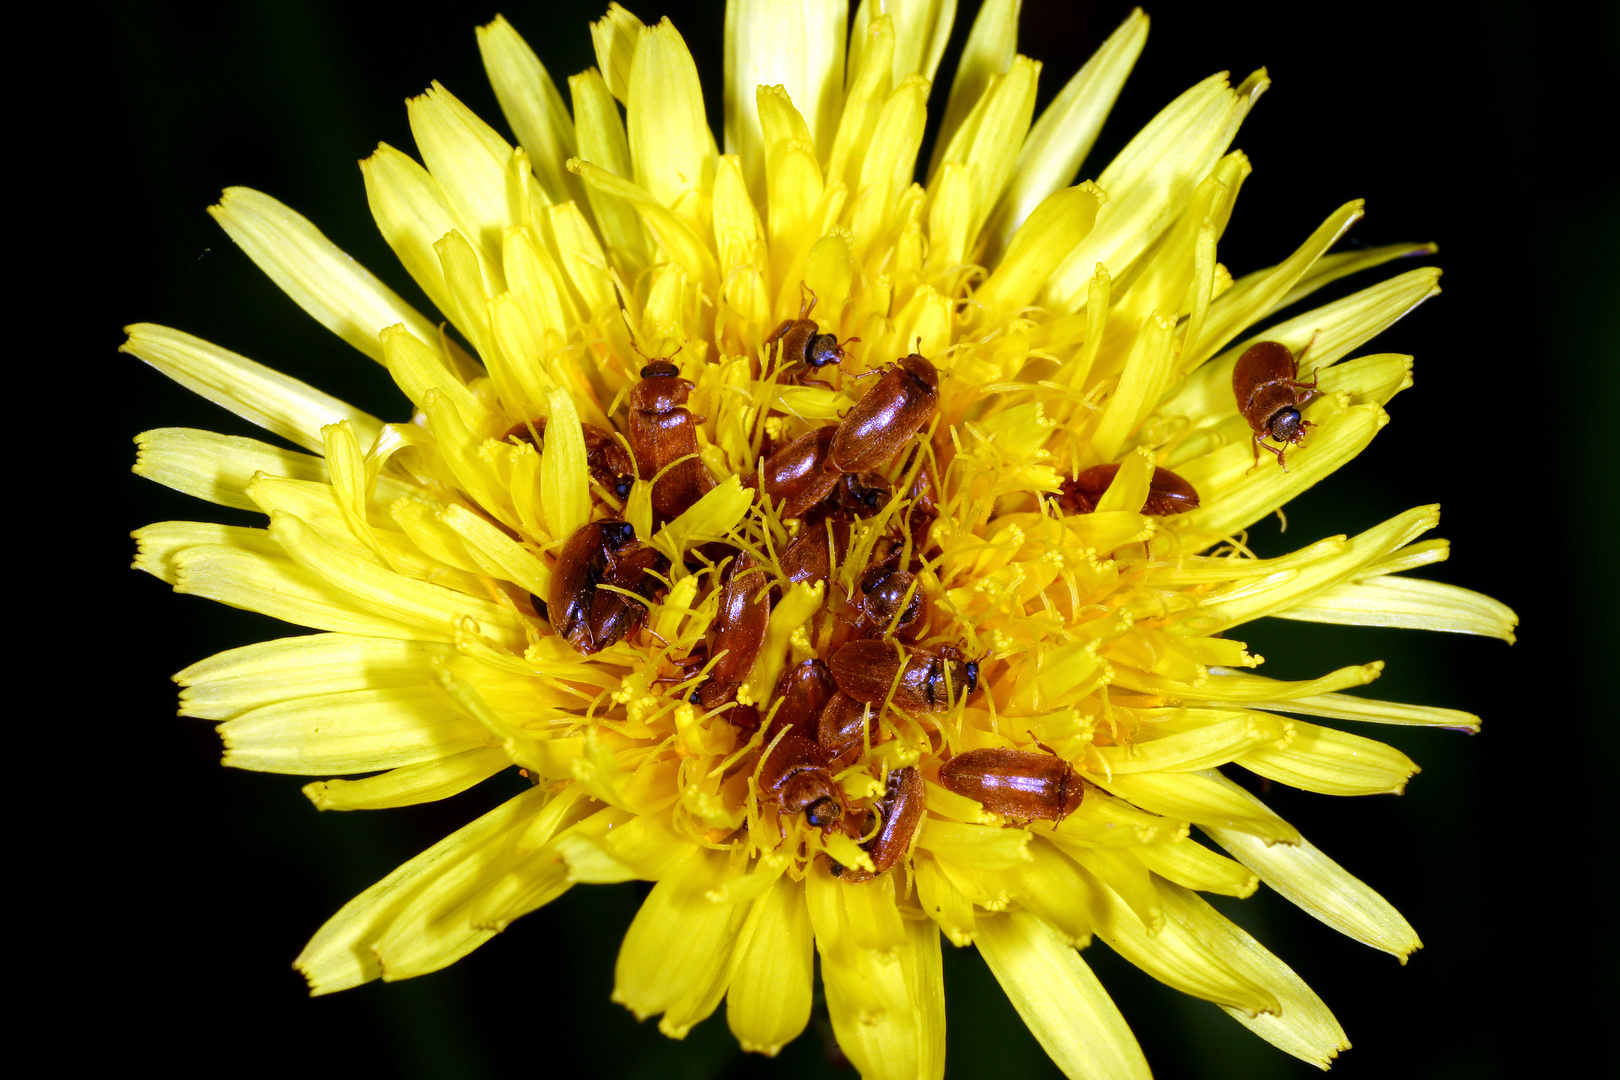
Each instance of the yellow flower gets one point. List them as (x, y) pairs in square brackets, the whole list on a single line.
[(1072, 329)]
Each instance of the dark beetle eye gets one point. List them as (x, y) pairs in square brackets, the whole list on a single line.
[(616, 534), (1285, 425), (822, 812), (972, 669), (622, 489)]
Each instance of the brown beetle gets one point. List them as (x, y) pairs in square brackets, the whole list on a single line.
[(887, 416), (1269, 393), (601, 553), (923, 507), (808, 558), (796, 476), (794, 775), (804, 692), (606, 458), (901, 811), (859, 495), (1167, 493), (886, 605), (663, 430), (804, 346), (1020, 784), (841, 729), (866, 669), (739, 630)]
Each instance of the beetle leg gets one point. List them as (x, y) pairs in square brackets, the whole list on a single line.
[(1258, 446)]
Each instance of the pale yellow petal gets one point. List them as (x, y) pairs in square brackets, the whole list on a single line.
[(416, 898), (677, 953), (1319, 886), (338, 292), (358, 731), (1332, 762), (216, 467), (1202, 798), (1409, 603), (410, 785), (1065, 1007), (670, 141), (615, 36), (260, 395), (921, 30), (1302, 1026), (768, 1003), (991, 46), (531, 104), (1064, 134), (1152, 179), (230, 683), (799, 47)]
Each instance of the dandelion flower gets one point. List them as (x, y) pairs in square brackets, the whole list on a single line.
[(854, 557)]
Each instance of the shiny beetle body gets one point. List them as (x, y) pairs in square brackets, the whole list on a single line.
[(894, 603), (804, 346), (1020, 784), (900, 811), (608, 461), (923, 508), (841, 729), (804, 692), (794, 776), (1269, 393), (1167, 493), (663, 430), (860, 495), (739, 630), (928, 682), (809, 557), (887, 416), (602, 552), (796, 476)]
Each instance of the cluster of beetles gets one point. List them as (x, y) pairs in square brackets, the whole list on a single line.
[(822, 716)]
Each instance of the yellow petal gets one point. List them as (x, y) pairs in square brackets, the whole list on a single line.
[(990, 48), (410, 785), (337, 291), (1201, 798), (1302, 1026), (615, 36), (216, 467), (1066, 131), (419, 900), (1153, 177), (1066, 1008), (670, 141), (676, 955), (281, 405), (921, 30), (768, 1003), (799, 47), (887, 1006), (532, 105), (1409, 603), (1318, 886), (230, 683)]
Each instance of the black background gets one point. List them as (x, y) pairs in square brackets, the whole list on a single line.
[(164, 897)]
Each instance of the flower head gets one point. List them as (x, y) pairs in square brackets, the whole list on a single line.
[(852, 556)]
